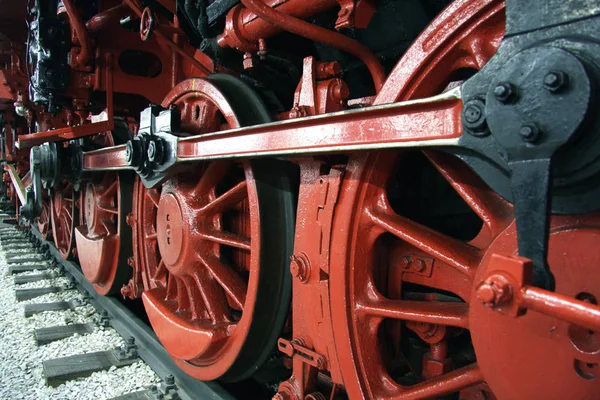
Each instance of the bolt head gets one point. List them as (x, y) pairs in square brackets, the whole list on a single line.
[(494, 291), (555, 80), (473, 117), (472, 114), (295, 268), (169, 379), (129, 152), (152, 150), (419, 265), (503, 92), (529, 133)]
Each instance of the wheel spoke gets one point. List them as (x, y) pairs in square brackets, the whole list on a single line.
[(154, 196), (227, 278), (66, 210), (151, 237), (227, 239), (495, 212), (430, 312), (110, 192), (183, 300), (161, 270), (227, 200), (214, 174), (172, 288), (212, 295), (110, 210), (451, 382), (195, 302), (459, 255)]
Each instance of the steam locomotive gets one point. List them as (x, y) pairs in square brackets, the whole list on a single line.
[(378, 199)]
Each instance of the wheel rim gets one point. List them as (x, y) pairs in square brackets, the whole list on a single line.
[(200, 241), (62, 217), (104, 203)]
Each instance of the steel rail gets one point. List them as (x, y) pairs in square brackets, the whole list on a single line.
[(148, 346)]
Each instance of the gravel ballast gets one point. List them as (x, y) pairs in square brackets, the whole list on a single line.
[(21, 359)]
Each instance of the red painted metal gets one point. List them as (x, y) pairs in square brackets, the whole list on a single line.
[(553, 331), (63, 219), (434, 121), (368, 268), (84, 54), (43, 221), (507, 289), (243, 28), (199, 305), (319, 90), (105, 123), (98, 238), (287, 22)]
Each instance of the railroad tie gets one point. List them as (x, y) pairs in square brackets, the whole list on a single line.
[(13, 269), (37, 308), (22, 260), (21, 279), (61, 370), (50, 334), (28, 294)]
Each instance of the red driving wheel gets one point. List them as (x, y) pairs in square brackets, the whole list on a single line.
[(103, 238), (402, 291), (213, 246), (62, 218)]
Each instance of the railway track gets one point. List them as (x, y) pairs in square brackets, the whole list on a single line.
[(72, 316)]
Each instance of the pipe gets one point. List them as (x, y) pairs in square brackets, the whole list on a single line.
[(82, 33), (161, 35), (243, 28), (100, 21), (318, 34)]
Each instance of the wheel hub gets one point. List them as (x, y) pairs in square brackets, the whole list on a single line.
[(90, 205), (170, 230)]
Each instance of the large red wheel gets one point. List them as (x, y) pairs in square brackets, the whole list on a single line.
[(214, 242), (402, 287), (62, 218), (407, 323), (104, 238)]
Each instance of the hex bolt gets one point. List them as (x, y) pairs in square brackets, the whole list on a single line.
[(300, 267), (494, 291), (504, 92), (130, 340), (419, 265), (129, 153), (170, 379), (555, 80), (473, 117), (152, 150), (153, 389), (529, 133)]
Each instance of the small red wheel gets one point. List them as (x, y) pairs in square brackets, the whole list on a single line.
[(62, 218), (213, 245), (104, 238)]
